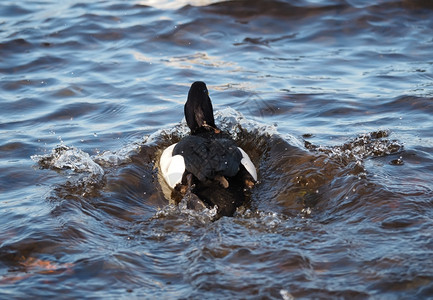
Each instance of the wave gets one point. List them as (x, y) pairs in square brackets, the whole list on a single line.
[(294, 175)]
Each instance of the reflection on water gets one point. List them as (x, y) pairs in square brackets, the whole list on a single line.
[(332, 100), (176, 4)]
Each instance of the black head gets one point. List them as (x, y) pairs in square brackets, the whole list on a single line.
[(198, 109)]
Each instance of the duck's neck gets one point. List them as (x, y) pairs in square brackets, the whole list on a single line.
[(206, 130)]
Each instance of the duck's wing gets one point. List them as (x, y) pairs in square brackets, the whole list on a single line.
[(207, 158), (248, 164), (172, 167)]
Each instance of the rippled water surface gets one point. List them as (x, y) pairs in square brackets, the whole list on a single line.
[(333, 101)]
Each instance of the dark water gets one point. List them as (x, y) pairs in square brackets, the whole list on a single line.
[(333, 100)]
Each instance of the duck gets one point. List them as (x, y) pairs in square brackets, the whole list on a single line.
[(207, 165)]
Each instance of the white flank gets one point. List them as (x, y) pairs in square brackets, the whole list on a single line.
[(172, 167), (248, 164)]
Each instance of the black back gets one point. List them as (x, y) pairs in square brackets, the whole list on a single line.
[(207, 157)]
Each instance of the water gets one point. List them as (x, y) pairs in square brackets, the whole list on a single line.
[(331, 99)]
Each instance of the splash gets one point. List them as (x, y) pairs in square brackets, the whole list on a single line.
[(203, 215), (234, 122), (64, 157), (118, 157), (373, 144)]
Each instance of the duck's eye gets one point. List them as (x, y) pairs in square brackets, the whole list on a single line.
[(206, 92)]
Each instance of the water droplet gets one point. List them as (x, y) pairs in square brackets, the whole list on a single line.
[(397, 162), (286, 295)]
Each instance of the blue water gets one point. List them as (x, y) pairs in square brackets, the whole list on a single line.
[(332, 100)]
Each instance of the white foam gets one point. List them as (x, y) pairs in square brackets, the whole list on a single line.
[(169, 4), (204, 215), (373, 144), (286, 295), (118, 157), (233, 121), (64, 157)]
